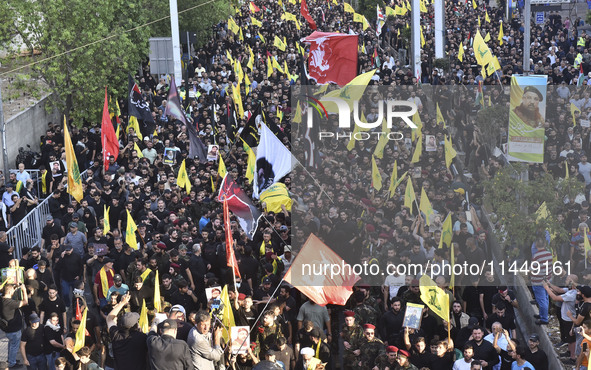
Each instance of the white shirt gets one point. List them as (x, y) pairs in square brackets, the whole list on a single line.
[(461, 364), (394, 283)]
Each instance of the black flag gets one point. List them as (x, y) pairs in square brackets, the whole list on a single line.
[(196, 146), (137, 107), (250, 132)]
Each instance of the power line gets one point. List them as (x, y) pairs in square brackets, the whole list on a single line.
[(104, 39)]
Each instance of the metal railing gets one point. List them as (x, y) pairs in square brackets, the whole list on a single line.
[(35, 176), (28, 232)]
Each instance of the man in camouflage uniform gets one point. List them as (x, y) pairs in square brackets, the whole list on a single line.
[(352, 335), (371, 347), (387, 361), (364, 313), (403, 361), (267, 334), (413, 294)]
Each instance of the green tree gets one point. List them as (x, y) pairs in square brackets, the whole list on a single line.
[(515, 202), (76, 62)]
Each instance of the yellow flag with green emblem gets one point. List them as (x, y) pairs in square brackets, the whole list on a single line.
[(157, 300), (182, 179), (418, 151), (425, 207), (74, 178), (434, 297), (227, 313), (376, 177), (446, 232), (409, 195), (130, 230), (222, 168)]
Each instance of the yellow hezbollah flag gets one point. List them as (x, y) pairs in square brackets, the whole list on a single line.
[(461, 52), (275, 196), (409, 195), (393, 177), (222, 168), (573, 109), (182, 179), (376, 177), (74, 179), (157, 300), (227, 314), (278, 43), (500, 38), (425, 206), (481, 50), (250, 165), (255, 22), (132, 123), (487, 37), (349, 8), (106, 222), (130, 238), (434, 297), (137, 149), (262, 38), (446, 232), (474, 4), (297, 118), (450, 152), (233, 26), (81, 332), (418, 151), (143, 322), (486, 17), (440, 116), (351, 92)]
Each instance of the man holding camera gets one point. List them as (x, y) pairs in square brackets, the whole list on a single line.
[(205, 353)]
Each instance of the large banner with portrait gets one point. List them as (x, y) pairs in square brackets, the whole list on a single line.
[(526, 119)]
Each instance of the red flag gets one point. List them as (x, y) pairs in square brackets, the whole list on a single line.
[(108, 137), (307, 274), (240, 205), (332, 57), (306, 14), (78, 313), (230, 256), (253, 8)]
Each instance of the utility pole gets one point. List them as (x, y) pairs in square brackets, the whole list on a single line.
[(415, 39), (439, 29), (526, 36), (176, 43), (3, 138)]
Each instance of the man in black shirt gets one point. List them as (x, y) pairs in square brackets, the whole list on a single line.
[(535, 355), (14, 321), (483, 350), (391, 322), (128, 342), (51, 227), (32, 344), (53, 304)]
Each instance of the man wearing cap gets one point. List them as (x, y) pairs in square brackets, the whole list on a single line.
[(76, 239), (165, 352), (51, 227), (31, 347), (118, 287), (534, 354), (103, 281), (71, 270), (387, 360), (403, 362), (352, 335), (528, 111), (128, 343), (371, 347)]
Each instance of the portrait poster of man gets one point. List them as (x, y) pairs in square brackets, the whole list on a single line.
[(240, 339), (213, 152), (431, 143), (526, 118), (413, 315), (213, 296), (169, 156)]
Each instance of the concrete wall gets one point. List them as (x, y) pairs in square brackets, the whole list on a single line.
[(26, 128)]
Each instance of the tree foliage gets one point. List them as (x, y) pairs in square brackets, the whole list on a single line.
[(491, 121), (86, 45), (515, 202)]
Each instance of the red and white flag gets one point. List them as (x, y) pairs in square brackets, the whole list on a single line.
[(108, 138), (332, 287), (333, 57), (306, 14), (380, 21)]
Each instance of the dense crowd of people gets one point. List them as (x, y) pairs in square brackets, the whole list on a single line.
[(78, 267)]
